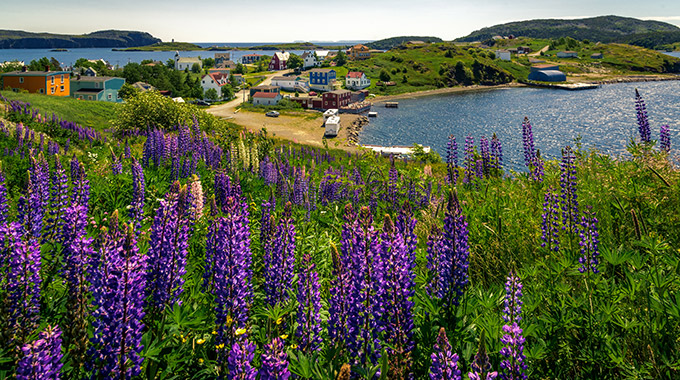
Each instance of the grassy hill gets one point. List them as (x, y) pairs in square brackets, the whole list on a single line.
[(97, 115), (390, 43), (602, 29), (166, 46), (17, 39)]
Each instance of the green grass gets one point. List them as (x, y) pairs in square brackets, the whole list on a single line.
[(86, 113)]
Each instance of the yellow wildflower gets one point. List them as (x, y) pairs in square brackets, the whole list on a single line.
[(284, 336), (240, 331), (200, 361), (294, 346), (200, 341), (278, 321), (219, 346)]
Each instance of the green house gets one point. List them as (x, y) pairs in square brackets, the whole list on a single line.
[(104, 89)]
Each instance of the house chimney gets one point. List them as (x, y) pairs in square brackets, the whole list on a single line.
[(47, 69), (24, 68)]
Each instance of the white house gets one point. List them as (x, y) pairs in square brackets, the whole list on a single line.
[(291, 83), (567, 54), (503, 55), (266, 98), (183, 63), (310, 60), (214, 81), (356, 80)]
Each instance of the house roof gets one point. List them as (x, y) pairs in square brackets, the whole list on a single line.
[(305, 55), (90, 90), (188, 59), (282, 56), (339, 92), (568, 52), (253, 55), (143, 86), (321, 70), (543, 66), (219, 78), (270, 95), (93, 79), (34, 73), (359, 47), (265, 87), (355, 74)]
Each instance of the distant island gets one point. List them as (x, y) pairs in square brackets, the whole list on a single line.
[(606, 29), (17, 39), (187, 46)]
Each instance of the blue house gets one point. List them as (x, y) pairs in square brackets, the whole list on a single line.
[(97, 88), (322, 79)]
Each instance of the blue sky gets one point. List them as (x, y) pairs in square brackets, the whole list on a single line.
[(282, 21)]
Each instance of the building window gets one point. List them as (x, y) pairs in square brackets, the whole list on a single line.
[(52, 90), (42, 90), (109, 96), (62, 78), (21, 79), (61, 89), (89, 97), (52, 79)]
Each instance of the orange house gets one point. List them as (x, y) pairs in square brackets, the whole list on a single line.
[(358, 52), (57, 83)]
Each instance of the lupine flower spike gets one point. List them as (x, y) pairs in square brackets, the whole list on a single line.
[(589, 242), (444, 362), (42, 359), (481, 367), (513, 366)]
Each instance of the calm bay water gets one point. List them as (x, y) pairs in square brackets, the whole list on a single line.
[(605, 118)]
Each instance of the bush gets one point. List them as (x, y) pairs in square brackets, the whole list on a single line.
[(150, 110)]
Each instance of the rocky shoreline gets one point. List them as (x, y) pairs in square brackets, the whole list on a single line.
[(354, 129), (637, 78)]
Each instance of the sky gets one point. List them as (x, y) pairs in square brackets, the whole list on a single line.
[(307, 20)]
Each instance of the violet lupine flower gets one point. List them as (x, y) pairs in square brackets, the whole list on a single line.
[(240, 360), (168, 246), (128, 154), (514, 365), (137, 205), (232, 265), (340, 297), (42, 359), (398, 280), (496, 153), (31, 209), (309, 307), (485, 152), (274, 362), (436, 260), (444, 362), (197, 199), (360, 244), (58, 201), (392, 184), (528, 141), (4, 208), (469, 160), (452, 159), (569, 196), (81, 185), (590, 239), (665, 139), (116, 165), (279, 267), (643, 122), (551, 221), (22, 258), (455, 261), (119, 308), (41, 175), (481, 367)]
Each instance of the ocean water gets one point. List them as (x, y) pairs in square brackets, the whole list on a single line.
[(604, 118)]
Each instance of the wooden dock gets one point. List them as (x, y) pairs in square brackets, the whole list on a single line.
[(391, 105)]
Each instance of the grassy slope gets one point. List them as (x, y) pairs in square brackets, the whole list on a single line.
[(85, 113), (167, 46)]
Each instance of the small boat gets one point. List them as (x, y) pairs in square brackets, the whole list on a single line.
[(391, 105), (372, 114)]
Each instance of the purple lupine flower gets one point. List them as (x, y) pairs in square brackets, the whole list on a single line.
[(481, 367), (81, 185), (58, 201), (4, 208), (279, 267), (274, 362), (168, 246), (340, 297), (485, 152), (22, 286), (392, 184), (31, 208), (514, 365), (128, 154), (643, 122), (240, 360), (137, 205), (119, 307), (528, 141), (590, 239), (116, 165), (360, 244), (665, 139), (496, 153), (444, 362), (436, 263), (232, 265), (42, 359), (568, 194), (551, 221), (452, 159), (469, 161), (398, 280), (455, 262), (309, 307)]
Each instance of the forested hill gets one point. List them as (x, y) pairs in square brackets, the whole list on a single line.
[(603, 29), (389, 43), (16, 39)]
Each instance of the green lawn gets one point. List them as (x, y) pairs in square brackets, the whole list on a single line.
[(86, 113)]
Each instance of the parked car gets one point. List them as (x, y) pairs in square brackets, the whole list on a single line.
[(272, 114), (201, 103)]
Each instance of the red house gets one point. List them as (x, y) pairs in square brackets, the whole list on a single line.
[(279, 61), (336, 99)]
